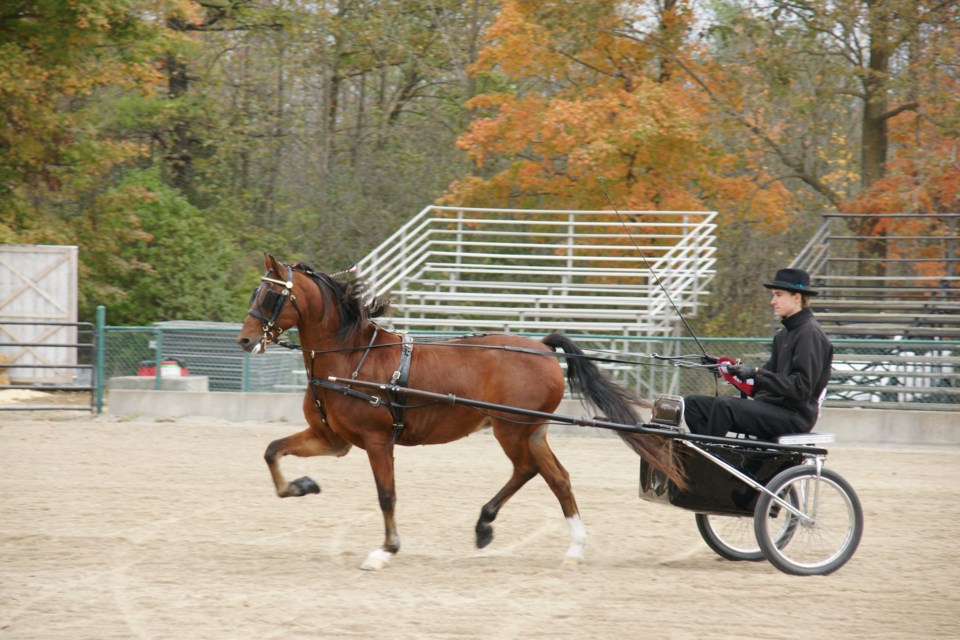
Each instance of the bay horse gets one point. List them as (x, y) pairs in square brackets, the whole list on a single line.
[(338, 337)]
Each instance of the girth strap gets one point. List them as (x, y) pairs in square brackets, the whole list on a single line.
[(400, 378)]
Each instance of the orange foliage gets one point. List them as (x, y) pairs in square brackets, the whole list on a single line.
[(922, 177), (586, 105)]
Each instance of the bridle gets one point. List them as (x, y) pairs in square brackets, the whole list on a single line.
[(273, 304)]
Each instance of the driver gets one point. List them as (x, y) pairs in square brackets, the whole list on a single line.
[(788, 389)]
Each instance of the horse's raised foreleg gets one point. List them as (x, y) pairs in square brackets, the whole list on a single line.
[(309, 442), (381, 463)]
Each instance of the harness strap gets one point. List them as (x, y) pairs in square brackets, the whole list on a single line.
[(313, 392), (395, 399), (363, 358), (400, 378)]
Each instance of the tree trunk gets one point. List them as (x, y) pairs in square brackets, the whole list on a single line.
[(873, 144), (179, 154)]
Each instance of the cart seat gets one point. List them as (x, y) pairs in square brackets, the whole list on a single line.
[(807, 438)]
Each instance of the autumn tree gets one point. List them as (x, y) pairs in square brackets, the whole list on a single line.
[(837, 94), (309, 129), (572, 101), (337, 128), (59, 62)]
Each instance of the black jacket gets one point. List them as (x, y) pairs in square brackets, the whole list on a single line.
[(799, 367)]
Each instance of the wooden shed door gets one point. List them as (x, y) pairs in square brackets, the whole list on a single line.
[(38, 292)]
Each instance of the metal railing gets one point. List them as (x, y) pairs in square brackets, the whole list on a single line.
[(471, 269), (48, 364), (903, 280), (915, 254)]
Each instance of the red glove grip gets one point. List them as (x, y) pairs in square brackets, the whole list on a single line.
[(746, 387)]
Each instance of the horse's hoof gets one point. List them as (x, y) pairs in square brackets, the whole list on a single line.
[(303, 486), (484, 536), (376, 560), (571, 562)]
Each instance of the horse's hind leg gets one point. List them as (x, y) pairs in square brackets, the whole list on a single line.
[(531, 455), (524, 468), (558, 480), (309, 442)]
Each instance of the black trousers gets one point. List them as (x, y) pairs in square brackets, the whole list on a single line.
[(715, 416)]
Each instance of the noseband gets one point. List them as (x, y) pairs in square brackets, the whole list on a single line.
[(273, 303)]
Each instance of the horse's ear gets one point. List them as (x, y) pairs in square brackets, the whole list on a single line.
[(271, 264)]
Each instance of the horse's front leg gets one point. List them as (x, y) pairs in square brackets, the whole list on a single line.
[(381, 463), (311, 441)]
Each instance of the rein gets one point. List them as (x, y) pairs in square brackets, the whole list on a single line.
[(271, 333), (678, 361)]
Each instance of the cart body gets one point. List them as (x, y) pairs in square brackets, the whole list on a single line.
[(711, 488)]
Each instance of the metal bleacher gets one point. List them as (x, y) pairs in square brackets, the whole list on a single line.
[(906, 286), (453, 270), (890, 300), (477, 270)]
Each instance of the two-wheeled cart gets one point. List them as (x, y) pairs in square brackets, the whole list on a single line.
[(756, 499), (752, 499)]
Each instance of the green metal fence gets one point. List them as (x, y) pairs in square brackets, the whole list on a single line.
[(202, 349), (918, 374)]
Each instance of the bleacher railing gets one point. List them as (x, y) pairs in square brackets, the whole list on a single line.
[(473, 269), (886, 275), (915, 253)]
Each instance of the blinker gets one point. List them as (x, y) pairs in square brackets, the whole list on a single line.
[(270, 300)]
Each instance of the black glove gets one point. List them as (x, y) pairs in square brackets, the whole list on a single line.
[(743, 371), (705, 359)]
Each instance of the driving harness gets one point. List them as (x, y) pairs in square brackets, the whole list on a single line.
[(394, 401)]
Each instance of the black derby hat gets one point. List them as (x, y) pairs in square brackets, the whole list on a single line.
[(792, 280)]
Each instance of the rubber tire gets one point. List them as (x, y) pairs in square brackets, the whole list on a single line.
[(723, 545), (837, 501), (709, 527)]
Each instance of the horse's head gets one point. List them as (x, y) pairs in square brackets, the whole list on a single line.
[(330, 309), (270, 314)]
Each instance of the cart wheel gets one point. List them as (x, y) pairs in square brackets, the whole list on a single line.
[(823, 541), (730, 537), (734, 537)]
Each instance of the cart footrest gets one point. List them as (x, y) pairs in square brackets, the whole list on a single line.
[(807, 438)]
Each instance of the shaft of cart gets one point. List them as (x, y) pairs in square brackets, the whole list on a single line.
[(642, 427)]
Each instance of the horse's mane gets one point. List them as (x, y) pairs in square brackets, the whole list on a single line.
[(352, 298)]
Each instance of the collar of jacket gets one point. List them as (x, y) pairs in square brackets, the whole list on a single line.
[(797, 319)]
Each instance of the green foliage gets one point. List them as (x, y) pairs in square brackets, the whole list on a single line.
[(186, 261)]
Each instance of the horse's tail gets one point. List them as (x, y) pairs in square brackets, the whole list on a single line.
[(617, 405)]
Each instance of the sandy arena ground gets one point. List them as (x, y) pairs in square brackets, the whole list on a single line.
[(170, 529)]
